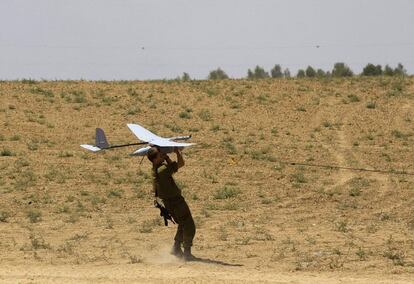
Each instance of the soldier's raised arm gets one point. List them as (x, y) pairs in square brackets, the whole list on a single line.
[(180, 159)]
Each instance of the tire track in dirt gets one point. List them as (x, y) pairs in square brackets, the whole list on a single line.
[(344, 154), (338, 147), (340, 155)]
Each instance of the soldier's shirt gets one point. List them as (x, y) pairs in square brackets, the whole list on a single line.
[(164, 182)]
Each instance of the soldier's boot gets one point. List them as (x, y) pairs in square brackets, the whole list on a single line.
[(176, 250), (187, 254)]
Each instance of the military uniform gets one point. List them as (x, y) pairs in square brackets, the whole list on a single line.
[(167, 190)]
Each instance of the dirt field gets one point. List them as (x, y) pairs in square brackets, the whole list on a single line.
[(67, 215)]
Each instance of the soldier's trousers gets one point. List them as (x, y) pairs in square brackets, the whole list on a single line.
[(181, 213)]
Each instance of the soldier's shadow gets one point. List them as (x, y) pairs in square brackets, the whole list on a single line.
[(212, 261)]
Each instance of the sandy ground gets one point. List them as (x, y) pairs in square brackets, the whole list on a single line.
[(69, 216), (178, 273)]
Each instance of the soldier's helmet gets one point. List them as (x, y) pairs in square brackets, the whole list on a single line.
[(152, 153)]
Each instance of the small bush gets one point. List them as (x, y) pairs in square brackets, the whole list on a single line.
[(115, 193), (65, 154), (229, 146), (24, 180), (32, 146), (40, 91), (299, 177), (205, 115), (226, 192), (215, 128), (4, 216), (15, 138), (361, 254), (355, 191), (34, 216), (397, 256), (371, 105), (327, 124), (148, 225), (342, 226), (6, 153), (185, 115), (231, 205), (353, 98), (38, 242), (133, 111), (398, 134)]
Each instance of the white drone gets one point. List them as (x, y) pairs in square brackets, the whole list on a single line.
[(166, 145)]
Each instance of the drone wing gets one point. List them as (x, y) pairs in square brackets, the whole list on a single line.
[(91, 147), (142, 134), (162, 142)]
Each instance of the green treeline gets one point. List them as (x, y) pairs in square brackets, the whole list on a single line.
[(339, 69)]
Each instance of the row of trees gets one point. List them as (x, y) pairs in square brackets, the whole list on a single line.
[(376, 70), (340, 69)]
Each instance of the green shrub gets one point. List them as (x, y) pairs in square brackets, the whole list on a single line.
[(184, 115), (327, 124), (299, 177), (4, 216), (34, 216), (355, 191), (398, 134), (115, 193), (133, 111), (371, 105), (148, 225), (226, 192), (205, 115), (353, 98), (15, 138), (6, 153), (32, 146), (38, 242), (40, 91)]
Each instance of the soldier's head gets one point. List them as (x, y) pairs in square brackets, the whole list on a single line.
[(155, 156)]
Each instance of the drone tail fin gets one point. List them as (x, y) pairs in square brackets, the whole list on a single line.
[(100, 139)]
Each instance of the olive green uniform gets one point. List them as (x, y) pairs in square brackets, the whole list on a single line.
[(166, 189)]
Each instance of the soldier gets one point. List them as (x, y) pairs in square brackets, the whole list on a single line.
[(166, 189)]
